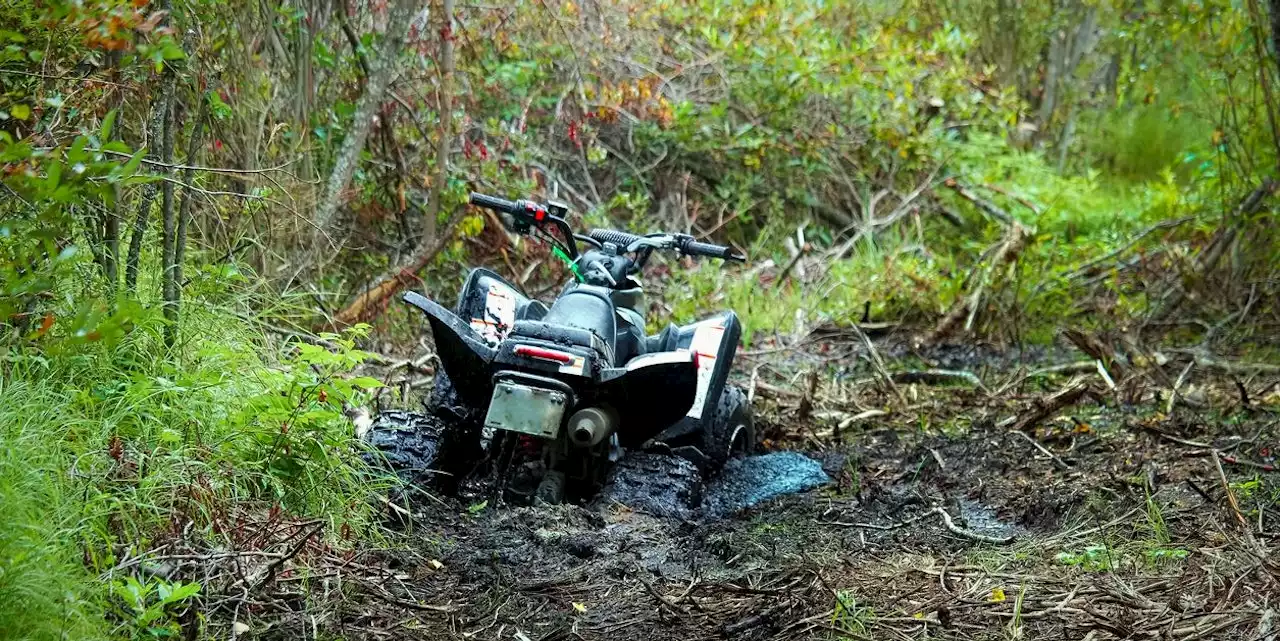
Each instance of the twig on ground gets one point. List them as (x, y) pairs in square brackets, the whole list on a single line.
[(1045, 407), (1076, 367), (806, 402), (1231, 495), (1206, 360), (1099, 351), (1173, 392), (938, 377), (1053, 457), (937, 458), (985, 206), (878, 363), (968, 534), (873, 526), (1242, 462)]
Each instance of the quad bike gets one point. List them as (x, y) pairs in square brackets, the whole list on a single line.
[(540, 402)]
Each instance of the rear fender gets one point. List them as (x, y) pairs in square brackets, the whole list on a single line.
[(465, 355), (650, 393), (715, 341), (491, 305)]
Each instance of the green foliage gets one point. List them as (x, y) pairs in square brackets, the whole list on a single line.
[(295, 431), (104, 447), (1091, 557), (848, 616), (151, 608)]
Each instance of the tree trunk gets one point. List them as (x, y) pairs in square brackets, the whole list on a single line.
[(167, 213), (383, 68), (111, 250), (154, 133), (302, 83), (1275, 32), (441, 181), (1055, 57), (1007, 42), (173, 268), (1068, 132)]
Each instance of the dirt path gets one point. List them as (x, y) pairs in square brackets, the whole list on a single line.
[(1101, 521)]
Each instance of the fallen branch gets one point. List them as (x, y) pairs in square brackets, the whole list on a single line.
[(1076, 367), (370, 303), (1053, 457), (847, 422), (938, 377), (946, 521), (966, 307), (1099, 351), (1257, 466), (1043, 408), (1231, 496), (1087, 266), (985, 206), (777, 392), (1207, 361), (878, 363), (968, 534)]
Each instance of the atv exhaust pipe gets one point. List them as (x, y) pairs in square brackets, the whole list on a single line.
[(592, 425)]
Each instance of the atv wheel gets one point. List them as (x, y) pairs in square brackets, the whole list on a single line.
[(731, 432), (550, 489), (408, 442), (424, 448), (657, 484)]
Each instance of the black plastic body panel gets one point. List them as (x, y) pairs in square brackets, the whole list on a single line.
[(717, 374)]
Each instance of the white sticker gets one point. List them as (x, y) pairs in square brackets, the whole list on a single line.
[(706, 344), (575, 367), (499, 312)]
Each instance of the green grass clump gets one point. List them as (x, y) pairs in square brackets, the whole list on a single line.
[(107, 450)]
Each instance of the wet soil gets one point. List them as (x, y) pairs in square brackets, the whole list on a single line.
[(1107, 520)]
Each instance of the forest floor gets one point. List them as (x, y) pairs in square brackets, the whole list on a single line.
[(1042, 506)]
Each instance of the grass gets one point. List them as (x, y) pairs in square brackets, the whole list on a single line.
[(108, 449), (849, 617)]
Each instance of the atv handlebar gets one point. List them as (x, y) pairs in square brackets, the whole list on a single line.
[(687, 245), (682, 243), (619, 238), (499, 205), (527, 213)]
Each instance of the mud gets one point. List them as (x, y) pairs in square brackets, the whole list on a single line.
[(835, 535), (753, 480)]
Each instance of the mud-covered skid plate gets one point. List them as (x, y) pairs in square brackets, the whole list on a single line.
[(525, 409)]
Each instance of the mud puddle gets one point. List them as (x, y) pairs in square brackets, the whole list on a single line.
[(667, 486)]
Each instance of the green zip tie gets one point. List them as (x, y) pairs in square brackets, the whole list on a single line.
[(573, 265)]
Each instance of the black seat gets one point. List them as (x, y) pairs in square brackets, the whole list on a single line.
[(582, 316)]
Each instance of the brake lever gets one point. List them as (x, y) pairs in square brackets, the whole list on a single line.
[(651, 242)]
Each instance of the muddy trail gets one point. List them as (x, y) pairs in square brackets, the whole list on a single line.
[(969, 493)]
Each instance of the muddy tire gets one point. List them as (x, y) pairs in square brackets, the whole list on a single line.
[(550, 489), (732, 432), (658, 484), (407, 443)]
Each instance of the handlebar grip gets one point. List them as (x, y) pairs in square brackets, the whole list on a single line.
[(619, 238), (492, 202), (695, 248)]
